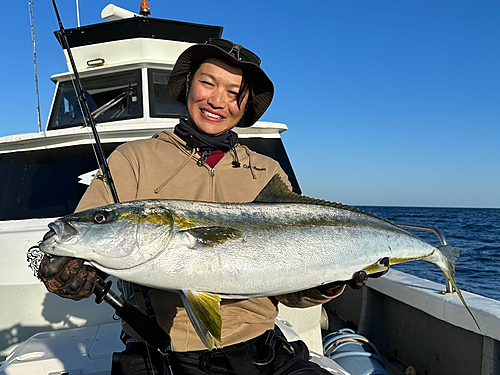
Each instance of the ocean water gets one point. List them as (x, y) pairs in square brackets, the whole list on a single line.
[(476, 231)]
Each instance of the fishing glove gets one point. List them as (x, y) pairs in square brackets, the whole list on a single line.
[(68, 277), (357, 282)]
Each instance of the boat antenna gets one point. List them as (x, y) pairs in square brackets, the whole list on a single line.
[(87, 115), (77, 13), (32, 24)]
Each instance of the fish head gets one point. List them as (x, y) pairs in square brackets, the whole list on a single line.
[(117, 236)]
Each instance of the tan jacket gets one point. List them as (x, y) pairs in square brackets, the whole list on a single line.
[(163, 167)]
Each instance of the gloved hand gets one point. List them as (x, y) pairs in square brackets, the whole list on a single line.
[(357, 281), (68, 277)]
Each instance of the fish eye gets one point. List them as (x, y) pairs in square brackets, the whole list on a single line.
[(99, 217)]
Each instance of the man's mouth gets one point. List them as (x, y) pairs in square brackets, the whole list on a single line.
[(211, 115)]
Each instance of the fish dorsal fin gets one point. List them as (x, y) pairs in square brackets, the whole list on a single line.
[(276, 191)]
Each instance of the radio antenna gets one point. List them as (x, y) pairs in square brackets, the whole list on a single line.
[(32, 24), (77, 13)]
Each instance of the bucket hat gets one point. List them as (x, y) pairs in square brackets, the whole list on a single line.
[(222, 49)]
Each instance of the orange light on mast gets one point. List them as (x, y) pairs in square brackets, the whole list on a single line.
[(145, 8)]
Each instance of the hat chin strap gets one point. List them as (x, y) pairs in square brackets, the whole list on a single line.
[(187, 83), (242, 115)]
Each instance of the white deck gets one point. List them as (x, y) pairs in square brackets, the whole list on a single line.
[(89, 350)]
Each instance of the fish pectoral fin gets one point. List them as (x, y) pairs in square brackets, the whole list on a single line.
[(203, 310), (378, 268), (212, 236)]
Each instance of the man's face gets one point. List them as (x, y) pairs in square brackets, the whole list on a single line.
[(212, 100)]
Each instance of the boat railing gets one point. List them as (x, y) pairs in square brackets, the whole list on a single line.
[(442, 239)]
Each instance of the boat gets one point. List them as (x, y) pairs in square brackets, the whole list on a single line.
[(124, 65)]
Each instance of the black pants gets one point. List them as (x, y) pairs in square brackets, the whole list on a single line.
[(255, 357)]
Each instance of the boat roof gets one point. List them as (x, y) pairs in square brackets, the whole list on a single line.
[(141, 27), (132, 40)]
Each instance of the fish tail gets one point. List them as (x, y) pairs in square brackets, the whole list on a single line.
[(451, 254), (451, 278)]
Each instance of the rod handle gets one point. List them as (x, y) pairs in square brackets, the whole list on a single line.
[(145, 327)]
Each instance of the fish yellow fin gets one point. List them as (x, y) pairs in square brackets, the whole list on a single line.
[(380, 266), (452, 253), (451, 278), (203, 310), (212, 236)]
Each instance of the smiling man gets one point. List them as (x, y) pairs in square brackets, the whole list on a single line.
[(215, 103), (223, 86)]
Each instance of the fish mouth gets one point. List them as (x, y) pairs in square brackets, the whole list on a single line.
[(59, 232), (47, 236)]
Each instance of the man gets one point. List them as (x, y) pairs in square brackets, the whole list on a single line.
[(223, 86)]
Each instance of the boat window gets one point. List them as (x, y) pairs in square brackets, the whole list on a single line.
[(161, 104), (110, 97)]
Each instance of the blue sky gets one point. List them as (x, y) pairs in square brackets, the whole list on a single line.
[(392, 102)]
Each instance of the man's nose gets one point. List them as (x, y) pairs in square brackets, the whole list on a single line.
[(216, 99)]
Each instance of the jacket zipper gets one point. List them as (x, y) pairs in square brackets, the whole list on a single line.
[(212, 178), (212, 184)]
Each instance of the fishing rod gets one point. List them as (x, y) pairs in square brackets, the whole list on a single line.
[(145, 326), (84, 106)]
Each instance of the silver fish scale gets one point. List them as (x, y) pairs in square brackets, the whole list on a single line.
[(284, 248)]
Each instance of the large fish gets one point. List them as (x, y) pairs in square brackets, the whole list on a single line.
[(281, 243)]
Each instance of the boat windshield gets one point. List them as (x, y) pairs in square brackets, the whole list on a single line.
[(110, 97), (161, 104)]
